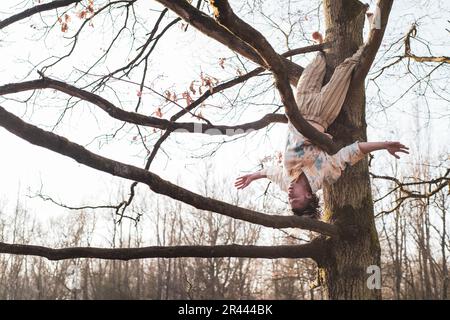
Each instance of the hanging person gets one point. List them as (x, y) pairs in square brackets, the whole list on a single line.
[(306, 167)]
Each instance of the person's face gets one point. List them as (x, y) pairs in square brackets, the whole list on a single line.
[(298, 195)]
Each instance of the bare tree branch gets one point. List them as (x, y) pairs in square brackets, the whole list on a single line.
[(266, 120), (134, 62), (212, 29), (137, 118), (373, 44), (411, 34), (86, 22), (77, 152), (36, 9), (121, 207), (440, 183), (308, 250), (225, 15)]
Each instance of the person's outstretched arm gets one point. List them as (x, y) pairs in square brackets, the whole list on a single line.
[(243, 181), (353, 153), (275, 174), (391, 146)]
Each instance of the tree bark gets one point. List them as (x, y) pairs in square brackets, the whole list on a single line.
[(348, 202)]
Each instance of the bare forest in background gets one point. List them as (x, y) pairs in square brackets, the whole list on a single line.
[(81, 99), (415, 243)]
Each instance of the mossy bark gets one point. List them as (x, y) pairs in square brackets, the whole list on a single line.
[(348, 202)]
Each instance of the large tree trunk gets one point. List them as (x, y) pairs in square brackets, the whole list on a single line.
[(348, 203)]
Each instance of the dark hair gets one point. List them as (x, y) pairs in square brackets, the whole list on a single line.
[(311, 210)]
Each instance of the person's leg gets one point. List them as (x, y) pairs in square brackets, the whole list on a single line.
[(325, 106), (309, 86), (333, 94), (312, 77)]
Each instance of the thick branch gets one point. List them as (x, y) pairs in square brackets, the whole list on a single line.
[(211, 28), (77, 152), (36, 9), (225, 15), (137, 118), (373, 44), (309, 250)]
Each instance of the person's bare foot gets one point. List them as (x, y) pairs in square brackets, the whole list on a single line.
[(369, 16), (317, 36)]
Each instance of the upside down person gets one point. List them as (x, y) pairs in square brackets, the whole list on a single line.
[(306, 167)]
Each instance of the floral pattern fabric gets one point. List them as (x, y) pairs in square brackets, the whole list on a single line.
[(300, 156)]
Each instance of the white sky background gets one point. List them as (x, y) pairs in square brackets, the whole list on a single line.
[(180, 57)]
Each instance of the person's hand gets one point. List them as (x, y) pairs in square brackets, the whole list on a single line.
[(244, 181), (317, 36), (394, 146)]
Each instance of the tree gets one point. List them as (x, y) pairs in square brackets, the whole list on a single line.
[(349, 242)]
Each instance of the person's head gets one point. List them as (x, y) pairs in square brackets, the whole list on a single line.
[(301, 198)]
